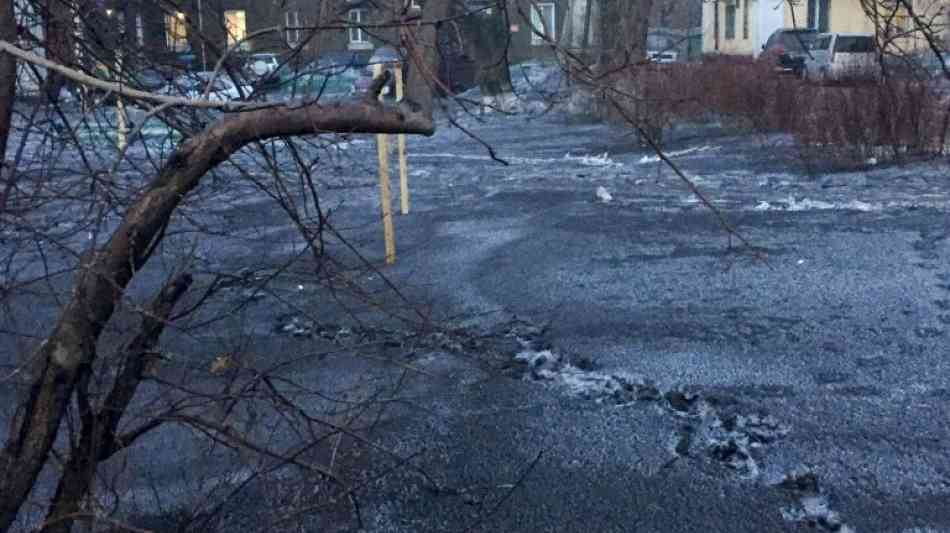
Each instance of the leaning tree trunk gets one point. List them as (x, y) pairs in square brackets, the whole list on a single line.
[(7, 79), (98, 437), (65, 359)]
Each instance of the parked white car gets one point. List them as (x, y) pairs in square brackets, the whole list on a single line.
[(193, 86), (261, 65), (842, 56)]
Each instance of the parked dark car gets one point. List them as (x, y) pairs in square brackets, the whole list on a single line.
[(150, 79), (788, 49)]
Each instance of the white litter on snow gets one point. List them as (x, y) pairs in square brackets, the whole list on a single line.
[(656, 159), (602, 160), (603, 195)]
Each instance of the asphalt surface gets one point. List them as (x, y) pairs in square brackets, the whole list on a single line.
[(648, 372)]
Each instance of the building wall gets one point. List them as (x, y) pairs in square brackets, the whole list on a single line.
[(844, 16), (748, 28), (770, 18), (849, 16), (521, 46)]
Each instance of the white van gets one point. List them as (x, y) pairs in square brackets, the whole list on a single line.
[(842, 56)]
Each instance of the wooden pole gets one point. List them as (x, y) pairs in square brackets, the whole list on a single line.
[(403, 163), (385, 191)]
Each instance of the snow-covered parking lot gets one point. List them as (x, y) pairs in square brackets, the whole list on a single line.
[(659, 376)]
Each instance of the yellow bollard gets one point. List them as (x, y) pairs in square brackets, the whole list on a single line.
[(403, 163), (385, 192)]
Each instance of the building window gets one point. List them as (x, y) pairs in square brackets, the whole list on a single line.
[(745, 19), (543, 19), (292, 23), (358, 37), (731, 21), (235, 23), (818, 15), (716, 33), (176, 32)]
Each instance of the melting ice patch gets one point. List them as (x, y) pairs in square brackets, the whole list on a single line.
[(602, 160), (656, 159), (807, 204)]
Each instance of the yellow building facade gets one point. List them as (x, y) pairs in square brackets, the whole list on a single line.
[(741, 27)]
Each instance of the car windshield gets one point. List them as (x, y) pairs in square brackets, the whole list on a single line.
[(798, 41), (854, 45), (822, 44)]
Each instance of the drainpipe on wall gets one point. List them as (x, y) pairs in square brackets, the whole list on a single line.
[(201, 31), (716, 25)]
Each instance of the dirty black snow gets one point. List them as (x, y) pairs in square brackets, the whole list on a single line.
[(607, 358)]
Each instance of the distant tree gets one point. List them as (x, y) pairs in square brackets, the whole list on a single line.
[(487, 40), (8, 66), (624, 29), (59, 27)]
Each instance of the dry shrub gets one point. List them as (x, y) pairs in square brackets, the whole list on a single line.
[(843, 123)]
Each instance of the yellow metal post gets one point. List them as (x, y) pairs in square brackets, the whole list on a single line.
[(385, 191), (403, 163)]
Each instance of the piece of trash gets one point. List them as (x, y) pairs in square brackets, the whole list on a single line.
[(299, 287), (801, 261), (603, 195), (223, 363)]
